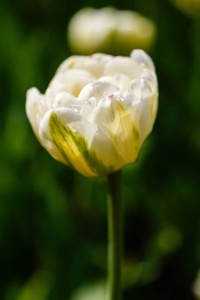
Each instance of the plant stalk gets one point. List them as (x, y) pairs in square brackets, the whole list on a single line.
[(115, 212)]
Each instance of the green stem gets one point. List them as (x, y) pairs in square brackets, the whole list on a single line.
[(114, 236)]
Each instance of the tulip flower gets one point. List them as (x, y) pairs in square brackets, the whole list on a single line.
[(110, 30), (96, 112)]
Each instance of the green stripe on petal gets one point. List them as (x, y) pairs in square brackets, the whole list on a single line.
[(136, 133), (75, 150), (136, 136)]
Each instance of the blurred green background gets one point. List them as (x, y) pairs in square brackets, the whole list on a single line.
[(53, 223)]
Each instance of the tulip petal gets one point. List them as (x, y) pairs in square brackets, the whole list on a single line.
[(139, 113), (78, 142), (65, 99), (34, 108), (122, 81), (91, 64), (115, 121), (98, 90), (124, 65), (71, 81), (146, 92), (142, 59)]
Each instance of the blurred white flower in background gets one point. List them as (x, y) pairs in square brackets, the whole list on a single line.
[(110, 30)]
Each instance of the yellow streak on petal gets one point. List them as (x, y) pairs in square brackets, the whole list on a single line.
[(68, 148), (75, 150), (124, 133)]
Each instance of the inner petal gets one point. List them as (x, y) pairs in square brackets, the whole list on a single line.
[(122, 81), (65, 99), (98, 90), (71, 81), (124, 65)]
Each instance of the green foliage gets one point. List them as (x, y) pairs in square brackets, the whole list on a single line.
[(53, 230)]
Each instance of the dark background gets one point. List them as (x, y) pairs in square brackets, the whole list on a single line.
[(53, 223)]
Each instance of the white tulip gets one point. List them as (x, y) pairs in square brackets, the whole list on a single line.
[(96, 112), (110, 30)]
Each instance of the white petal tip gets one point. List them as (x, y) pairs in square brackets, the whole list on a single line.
[(141, 57)]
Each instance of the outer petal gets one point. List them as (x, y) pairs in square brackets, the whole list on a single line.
[(114, 119), (139, 113), (151, 79), (146, 87), (71, 138), (35, 108), (147, 93), (142, 59)]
